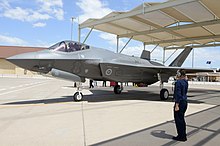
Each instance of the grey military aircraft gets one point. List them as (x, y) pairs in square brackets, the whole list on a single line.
[(75, 61)]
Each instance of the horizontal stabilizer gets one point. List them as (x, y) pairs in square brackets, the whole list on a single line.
[(182, 57)]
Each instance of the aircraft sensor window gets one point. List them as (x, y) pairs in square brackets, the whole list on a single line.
[(68, 46)]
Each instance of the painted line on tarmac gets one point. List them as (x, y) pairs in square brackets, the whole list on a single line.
[(23, 88)]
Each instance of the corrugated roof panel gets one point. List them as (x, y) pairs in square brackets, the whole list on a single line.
[(205, 41), (176, 14), (141, 6), (164, 36), (213, 5), (89, 20), (184, 43), (217, 40), (195, 11), (214, 28), (111, 29), (144, 38), (136, 21), (176, 44), (112, 14), (158, 18), (193, 32), (131, 24)]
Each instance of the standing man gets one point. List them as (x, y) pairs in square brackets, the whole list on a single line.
[(180, 98), (104, 84), (91, 83)]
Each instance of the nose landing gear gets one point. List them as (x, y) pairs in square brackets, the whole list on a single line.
[(78, 96), (164, 94)]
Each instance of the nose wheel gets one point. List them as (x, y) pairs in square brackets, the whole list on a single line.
[(164, 94), (78, 96)]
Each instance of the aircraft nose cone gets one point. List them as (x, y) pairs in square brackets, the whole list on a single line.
[(31, 55), (26, 60)]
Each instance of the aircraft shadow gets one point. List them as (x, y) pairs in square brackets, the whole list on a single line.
[(104, 96), (43, 101), (108, 95)]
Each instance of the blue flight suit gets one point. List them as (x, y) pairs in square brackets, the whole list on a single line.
[(180, 96)]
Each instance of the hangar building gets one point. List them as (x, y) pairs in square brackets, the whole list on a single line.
[(6, 67)]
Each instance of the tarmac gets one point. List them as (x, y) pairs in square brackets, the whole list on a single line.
[(41, 111)]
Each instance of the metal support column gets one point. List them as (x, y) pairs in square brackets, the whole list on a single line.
[(117, 43), (154, 48), (193, 58), (79, 33), (71, 33), (88, 35), (144, 45), (170, 56), (164, 53), (126, 44)]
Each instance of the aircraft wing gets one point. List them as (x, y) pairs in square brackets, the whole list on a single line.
[(173, 70), (130, 72)]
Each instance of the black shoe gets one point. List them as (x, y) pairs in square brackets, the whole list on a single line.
[(179, 138)]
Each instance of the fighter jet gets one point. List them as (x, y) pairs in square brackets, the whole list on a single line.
[(75, 61)]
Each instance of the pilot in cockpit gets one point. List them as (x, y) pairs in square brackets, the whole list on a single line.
[(71, 47), (76, 46)]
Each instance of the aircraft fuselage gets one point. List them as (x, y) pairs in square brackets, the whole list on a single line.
[(94, 63)]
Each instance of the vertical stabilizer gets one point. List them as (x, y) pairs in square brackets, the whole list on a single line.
[(181, 57), (145, 55)]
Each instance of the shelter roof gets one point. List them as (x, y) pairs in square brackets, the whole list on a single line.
[(173, 23)]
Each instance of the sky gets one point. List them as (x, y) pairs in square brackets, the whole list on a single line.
[(46, 22)]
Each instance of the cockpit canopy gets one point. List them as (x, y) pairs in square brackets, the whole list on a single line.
[(68, 46)]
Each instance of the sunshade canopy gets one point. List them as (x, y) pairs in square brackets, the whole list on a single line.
[(176, 23)]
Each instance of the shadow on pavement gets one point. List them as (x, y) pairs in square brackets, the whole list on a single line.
[(161, 134), (44, 101), (105, 95)]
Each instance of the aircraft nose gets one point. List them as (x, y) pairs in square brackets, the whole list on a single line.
[(31, 55), (26, 60)]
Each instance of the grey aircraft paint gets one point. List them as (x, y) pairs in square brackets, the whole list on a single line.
[(100, 64), (74, 61)]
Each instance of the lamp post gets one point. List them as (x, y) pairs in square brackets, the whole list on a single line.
[(71, 33), (72, 19)]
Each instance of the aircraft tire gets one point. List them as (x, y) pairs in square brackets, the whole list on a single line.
[(117, 89), (78, 96), (164, 94)]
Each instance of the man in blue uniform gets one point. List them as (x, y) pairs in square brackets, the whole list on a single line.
[(180, 98)]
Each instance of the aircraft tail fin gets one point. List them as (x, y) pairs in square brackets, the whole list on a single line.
[(145, 55), (182, 57)]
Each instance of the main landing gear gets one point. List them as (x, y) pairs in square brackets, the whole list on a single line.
[(164, 93), (78, 96), (118, 88)]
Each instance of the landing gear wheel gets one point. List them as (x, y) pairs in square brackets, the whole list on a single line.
[(117, 89), (78, 96), (164, 94)]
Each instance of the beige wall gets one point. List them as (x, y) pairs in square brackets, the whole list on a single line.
[(6, 67), (9, 68)]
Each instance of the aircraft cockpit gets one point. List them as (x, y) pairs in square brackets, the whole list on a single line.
[(68, 46)]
